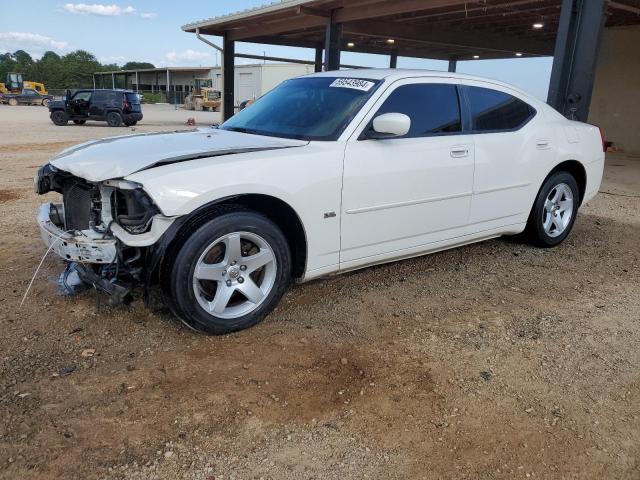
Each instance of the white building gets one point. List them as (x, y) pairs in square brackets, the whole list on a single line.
[(251, 81)]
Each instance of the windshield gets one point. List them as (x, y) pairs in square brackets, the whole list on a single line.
[(314, 108)]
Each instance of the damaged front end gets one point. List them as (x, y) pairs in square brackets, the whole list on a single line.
[(104, 230)]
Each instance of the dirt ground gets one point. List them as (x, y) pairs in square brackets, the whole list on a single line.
[(492, 361)]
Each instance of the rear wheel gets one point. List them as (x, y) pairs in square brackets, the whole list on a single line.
[(79, 122), (59, 117), (114, 119), (230, 273), (554, 211), (13, 102)]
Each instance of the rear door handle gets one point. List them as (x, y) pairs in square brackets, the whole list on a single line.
[(543, 144), (460, 151)]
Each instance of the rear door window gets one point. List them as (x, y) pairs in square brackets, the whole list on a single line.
[(100, 96), (434, 108), (495, 111)]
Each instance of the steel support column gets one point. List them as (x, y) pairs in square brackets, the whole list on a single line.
[(333, 44), (318, 62), (228, 75), (453, 65), (113, 81), (575, 57), (168, 83), (393, 59)]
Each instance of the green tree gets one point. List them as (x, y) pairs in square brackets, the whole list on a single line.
[(78, 69), (7, 64), (47, 70), (137, 65), (24, 61), (73, 70)]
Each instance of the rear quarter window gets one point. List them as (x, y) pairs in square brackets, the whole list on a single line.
[(495, 111), (133, 98)]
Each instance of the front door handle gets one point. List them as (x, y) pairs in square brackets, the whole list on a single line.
[(460, 152)]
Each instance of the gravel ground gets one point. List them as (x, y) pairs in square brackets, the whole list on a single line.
[(493, 361)]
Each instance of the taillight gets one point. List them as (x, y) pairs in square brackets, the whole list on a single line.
[(126, 105), (604, 143)]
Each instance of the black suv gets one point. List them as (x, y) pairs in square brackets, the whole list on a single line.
[(113, 106)]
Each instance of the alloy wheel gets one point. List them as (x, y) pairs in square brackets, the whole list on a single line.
[(558, 210), (234, 275)]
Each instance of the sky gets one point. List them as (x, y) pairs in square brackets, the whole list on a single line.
[(149, 31)]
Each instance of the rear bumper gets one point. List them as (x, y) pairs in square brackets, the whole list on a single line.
[(595, 171), (134, 117), (86, 246)]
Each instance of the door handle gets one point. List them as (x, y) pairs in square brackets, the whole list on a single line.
[(543, 144), (459, 152)]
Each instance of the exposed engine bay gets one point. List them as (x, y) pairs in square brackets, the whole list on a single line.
[(91, 227)]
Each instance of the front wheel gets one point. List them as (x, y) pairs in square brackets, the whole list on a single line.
[(114, 119), (230, 273), (59, 117), (554, 211), (45, 102), (13, 102)]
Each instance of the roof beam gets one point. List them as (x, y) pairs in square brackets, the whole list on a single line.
[(314, 12), (504, 7), (300, 22), (384, 8), (312, 17), (625, 7), (288, 42), (468, 40)]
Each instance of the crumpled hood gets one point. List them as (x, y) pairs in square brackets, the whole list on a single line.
[(117, 157)]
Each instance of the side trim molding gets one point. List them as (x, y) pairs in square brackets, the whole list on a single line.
[(387, 206)]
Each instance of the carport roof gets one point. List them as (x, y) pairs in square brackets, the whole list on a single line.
[(158, 69), (440, 29)]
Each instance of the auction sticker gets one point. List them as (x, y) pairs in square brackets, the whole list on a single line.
[(355, 83)]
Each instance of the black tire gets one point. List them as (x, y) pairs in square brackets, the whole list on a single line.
[(114, 119), (13, 102), (535, 231), (178, 274), (130, 123), (79, 122), (59, 117)]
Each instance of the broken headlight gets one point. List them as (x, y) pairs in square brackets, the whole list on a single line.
[(129, 206)]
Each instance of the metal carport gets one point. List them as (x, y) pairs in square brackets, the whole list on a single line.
[(568, 30)]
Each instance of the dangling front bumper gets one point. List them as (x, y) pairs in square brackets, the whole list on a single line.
[(86, 246)]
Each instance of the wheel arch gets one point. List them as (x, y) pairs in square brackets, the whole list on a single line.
[(273, 208), (577, 170)]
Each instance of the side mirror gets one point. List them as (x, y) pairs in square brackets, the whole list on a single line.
[(390, 125)]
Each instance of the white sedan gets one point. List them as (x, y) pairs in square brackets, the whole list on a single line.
[(326, 173)]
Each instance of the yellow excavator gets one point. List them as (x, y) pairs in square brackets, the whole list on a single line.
[(37, 86), (15, 84), (203, 96)]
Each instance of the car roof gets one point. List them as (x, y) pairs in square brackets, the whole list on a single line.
[(119, 90), (393, 74)]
